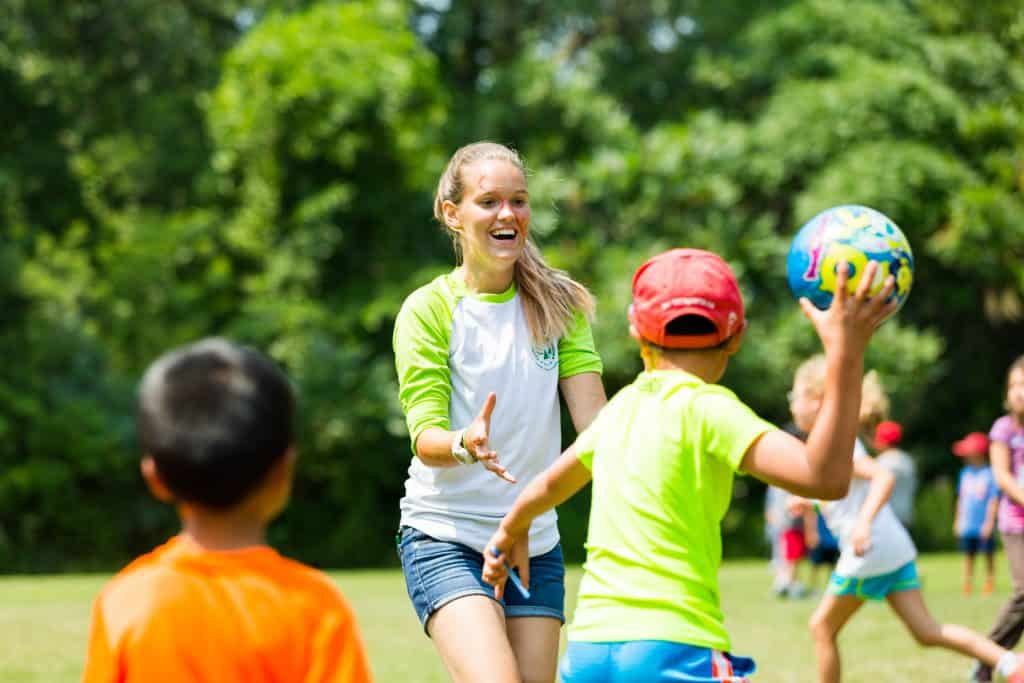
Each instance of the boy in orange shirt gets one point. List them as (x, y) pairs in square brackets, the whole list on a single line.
[(215, 603)]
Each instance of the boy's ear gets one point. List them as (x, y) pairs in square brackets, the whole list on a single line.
[(736, 340), (283, 470), (155, 484)]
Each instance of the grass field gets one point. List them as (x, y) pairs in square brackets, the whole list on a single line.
[(44, 621)]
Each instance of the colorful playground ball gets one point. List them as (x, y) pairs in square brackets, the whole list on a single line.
[(855, 234)]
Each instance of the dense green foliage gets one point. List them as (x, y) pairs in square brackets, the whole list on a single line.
[(264, 170)]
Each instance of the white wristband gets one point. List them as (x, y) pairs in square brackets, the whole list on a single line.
[(459, 451)]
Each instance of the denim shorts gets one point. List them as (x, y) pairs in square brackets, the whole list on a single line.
[(875, 587), (437, 572), (824, 554), (651, 661)]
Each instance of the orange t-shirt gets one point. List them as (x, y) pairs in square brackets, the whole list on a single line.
[(182, 613)]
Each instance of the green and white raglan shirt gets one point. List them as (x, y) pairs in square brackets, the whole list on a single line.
[(452, 348)]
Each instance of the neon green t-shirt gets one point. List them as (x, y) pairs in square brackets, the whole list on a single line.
[(663, 454)]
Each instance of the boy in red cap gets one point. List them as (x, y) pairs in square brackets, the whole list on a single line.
[(662, 455), (887, 438), (977, 499)]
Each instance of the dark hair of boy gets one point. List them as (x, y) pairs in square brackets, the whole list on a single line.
[(214, 417)]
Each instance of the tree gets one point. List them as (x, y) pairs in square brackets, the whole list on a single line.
[(326, 124), (264, 170)]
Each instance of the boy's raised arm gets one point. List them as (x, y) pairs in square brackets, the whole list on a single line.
[(822, 467), (555, 485)]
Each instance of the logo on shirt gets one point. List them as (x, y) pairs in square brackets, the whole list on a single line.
[(547, 357)]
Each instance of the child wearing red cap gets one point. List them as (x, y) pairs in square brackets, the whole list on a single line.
[(887, 438), (662, 456), (977, 498)]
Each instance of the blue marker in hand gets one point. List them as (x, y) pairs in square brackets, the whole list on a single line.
[(512, 574)]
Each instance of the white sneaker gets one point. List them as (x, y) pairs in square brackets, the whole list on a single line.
[(1015, 676), (797, 590), (1018, 674)]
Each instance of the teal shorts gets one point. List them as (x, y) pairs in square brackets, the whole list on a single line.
[(876, 587)]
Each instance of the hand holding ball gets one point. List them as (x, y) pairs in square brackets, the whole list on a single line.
[(857, 235)]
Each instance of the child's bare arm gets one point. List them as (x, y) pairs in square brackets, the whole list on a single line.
[(798, 506), (999, 455), (555, 485), (781, 459), (882, 483), (811, 526), (552, 487), (822, 467), (956, 517), (990, 517)]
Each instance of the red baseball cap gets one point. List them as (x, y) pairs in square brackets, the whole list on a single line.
[(888, 433), (975, 443), (686, 282)]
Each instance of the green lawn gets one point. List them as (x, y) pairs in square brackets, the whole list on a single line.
[(44, 620)]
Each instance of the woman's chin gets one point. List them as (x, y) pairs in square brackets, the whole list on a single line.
[(507, 255)]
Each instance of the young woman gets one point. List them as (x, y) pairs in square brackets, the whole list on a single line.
[(482, 353)]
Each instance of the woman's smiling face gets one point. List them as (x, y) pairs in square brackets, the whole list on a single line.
[(493, 218)]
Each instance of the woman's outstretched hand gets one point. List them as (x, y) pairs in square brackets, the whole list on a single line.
[(476, 436)]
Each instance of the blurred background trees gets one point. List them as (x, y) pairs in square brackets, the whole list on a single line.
[(264, 170)]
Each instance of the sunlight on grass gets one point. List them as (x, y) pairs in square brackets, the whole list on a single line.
[(44, 621)]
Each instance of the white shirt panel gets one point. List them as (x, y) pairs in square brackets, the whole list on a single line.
[(491, 350), (891, 545)]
